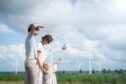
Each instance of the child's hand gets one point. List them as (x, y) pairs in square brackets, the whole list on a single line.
[(60, 59)]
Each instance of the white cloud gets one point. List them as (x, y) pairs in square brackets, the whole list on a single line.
[(5, 28), (87, 25), (10, 53)]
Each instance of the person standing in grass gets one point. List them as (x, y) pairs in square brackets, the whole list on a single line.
[(41, 56), (31, 54), (50, 76)]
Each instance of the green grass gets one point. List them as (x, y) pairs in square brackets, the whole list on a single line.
[(72, 78), (11, 77), (21, 82), (97, 78), (11, 82)]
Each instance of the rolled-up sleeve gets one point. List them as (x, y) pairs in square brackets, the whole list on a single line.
[(39, 48)]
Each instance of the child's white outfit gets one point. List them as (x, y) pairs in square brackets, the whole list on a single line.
[(50, 78)]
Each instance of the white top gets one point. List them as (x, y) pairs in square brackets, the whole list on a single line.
[(49, 78), (30, 47), (41, 48)]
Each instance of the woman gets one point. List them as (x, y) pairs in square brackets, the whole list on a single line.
[(41, 56)]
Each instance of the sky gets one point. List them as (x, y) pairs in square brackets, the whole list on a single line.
[(89, 28)]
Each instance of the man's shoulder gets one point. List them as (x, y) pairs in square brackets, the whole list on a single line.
[(29, 36), (39, 44)]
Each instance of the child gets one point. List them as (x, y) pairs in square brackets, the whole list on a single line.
[(50, 77)]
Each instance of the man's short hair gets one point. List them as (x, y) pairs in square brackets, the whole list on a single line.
[(29, 28)]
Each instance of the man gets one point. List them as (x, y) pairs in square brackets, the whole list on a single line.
[(31, 54)]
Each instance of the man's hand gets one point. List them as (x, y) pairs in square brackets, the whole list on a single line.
[(35, 27)]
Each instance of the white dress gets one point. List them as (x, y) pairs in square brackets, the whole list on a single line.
[(50, 78), (41, 48)]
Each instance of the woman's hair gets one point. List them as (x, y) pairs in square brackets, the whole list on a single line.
[(48, 38)]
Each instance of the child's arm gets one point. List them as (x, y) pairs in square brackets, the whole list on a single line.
[(58, 61), (55, 65)]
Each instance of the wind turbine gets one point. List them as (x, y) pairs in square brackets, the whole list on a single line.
[(99, 66), (78, 65), (16, 66), (90, 66)]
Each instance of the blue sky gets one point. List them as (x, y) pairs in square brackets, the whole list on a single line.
[(88, 27)]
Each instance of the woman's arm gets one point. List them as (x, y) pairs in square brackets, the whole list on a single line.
[(39, 54), (39, 58), (45, 71)]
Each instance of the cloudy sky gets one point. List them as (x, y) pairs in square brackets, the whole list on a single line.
[(90, 28)]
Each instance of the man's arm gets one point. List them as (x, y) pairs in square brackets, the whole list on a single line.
[(33, 26)]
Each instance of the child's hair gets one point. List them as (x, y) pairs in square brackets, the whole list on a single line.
[(46, 65)]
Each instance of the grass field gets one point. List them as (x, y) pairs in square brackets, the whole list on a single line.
[(67, 82), (11, 82), (72, 78), (21, 82)]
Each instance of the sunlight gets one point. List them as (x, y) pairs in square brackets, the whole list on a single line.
[(120, 5)]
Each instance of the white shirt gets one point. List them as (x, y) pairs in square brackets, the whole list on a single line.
[(30, 47), (41, 48)]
